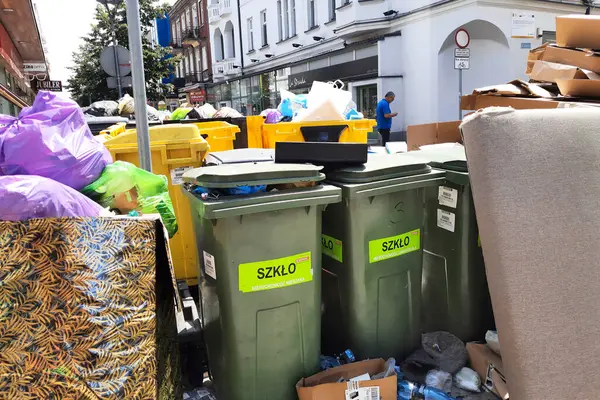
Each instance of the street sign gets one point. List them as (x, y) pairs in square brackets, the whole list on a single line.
[(107, 60), (52, 86), (462, 63), (462, 53), (126, 81), (462, 38)]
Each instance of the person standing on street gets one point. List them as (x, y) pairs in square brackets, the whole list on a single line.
[(384, 117)]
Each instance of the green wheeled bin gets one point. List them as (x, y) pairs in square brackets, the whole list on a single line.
[(454, 289), (260, 287), (372, 246)]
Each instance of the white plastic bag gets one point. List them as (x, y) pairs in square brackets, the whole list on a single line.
[(126, 106), (438, 379), (333, 92), (491, 338), (206, 111), (467, 379), (326, 111)]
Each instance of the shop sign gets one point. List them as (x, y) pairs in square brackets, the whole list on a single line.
[(349, 71), (52, 86), (35, 67), (197, 96)]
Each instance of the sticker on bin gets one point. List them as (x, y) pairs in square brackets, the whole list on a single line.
[(209, 265), (394, 246), (332, 247), (177, 175), (275, 274), (366, 393), (446, 220), (447, 196)]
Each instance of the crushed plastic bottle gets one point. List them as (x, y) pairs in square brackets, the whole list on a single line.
[(410, 391)]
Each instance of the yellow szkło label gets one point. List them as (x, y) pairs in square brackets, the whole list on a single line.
[(275, 274), (332, 247), (394, 246)]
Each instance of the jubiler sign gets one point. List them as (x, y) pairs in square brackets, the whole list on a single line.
[(52, 86)]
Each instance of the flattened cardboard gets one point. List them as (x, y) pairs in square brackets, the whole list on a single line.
[(475, 102), (439, 132), (484, 361), (324, 385), (587, 60), (578, 31), (545, 71), (579, 87), (515, 88)]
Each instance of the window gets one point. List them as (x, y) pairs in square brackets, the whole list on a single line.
[(198, 62), (250, 35), (279, 18), (332, 10), (201, 8), (293, 20), (312, 17), (204, 58), (195, 15), (188, 18), (286, 19), (263, 20), (173, 34)]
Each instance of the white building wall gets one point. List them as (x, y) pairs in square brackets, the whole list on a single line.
[(221, 24)]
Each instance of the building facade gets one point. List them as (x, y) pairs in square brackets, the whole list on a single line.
[(190, 38), (373, 46), (22, 58)]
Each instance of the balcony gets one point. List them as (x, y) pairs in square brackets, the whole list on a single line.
[(179, 83), (214, 13), (191, 79), (224, 7), (191, 36), (177, 46), (224, 68)]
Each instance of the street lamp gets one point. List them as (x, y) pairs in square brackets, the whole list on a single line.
[(138, 78)]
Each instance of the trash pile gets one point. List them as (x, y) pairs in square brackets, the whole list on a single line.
[(49, 162), (206, 111), (125, 107), (561, 73)]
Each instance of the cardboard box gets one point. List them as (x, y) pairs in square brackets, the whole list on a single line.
[(578, 31), (488, 366), (324, 385), (476, 102), (545, 71), (515, 88), (587, 60), (439, 132)]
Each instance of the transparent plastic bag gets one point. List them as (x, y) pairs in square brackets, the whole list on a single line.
[(124, 187), (467, 379), (441, 380), (126, 106), (491, 338), (180, 113)]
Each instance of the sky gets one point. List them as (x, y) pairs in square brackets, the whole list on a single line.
[(63, 24)]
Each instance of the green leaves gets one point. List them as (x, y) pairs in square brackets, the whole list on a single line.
[(88, 82)]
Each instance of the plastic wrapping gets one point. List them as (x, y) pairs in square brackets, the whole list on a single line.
[(107, 108), (125, 188), (448, 351), (441, 380), (52, 139), (227, 112), (180, 113), (126, 106), (87, 311), (25, 196), (467, 379), (493, 342)]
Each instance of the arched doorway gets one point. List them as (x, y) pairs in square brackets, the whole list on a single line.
[(490, 65), (229, 40), (218, 45)]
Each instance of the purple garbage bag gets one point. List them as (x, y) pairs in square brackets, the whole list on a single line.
[(29, 196), (52, 139), (273, 117)]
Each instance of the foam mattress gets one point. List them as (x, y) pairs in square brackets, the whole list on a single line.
[(535, 176)]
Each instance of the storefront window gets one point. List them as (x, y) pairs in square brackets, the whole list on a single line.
[(367, 100)]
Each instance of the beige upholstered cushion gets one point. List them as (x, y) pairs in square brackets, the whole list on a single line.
[(536, 185)]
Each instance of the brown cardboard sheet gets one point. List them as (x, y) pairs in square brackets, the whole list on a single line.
[(578, 31), (584, 59), (439, 132), (488, 366)]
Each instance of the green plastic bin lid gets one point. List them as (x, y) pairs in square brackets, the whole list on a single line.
[(252, 174), (381, 167), (451, 158), (238, 156)]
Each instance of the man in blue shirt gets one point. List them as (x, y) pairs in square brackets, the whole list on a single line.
[(384, 116)]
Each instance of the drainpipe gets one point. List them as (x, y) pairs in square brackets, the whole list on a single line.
[(240, 36)]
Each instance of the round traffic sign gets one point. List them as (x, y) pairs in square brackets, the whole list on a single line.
[(462, 38), (123, 60)]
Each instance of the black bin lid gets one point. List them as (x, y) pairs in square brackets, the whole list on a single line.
[(381, 167)]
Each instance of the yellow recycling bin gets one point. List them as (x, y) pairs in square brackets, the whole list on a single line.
[(175, 149)]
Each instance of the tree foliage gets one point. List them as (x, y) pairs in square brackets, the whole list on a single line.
[(88, 81)]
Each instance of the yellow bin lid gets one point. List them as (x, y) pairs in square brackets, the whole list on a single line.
[(162, 135)]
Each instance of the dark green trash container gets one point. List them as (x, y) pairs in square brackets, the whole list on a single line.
[(260, 277), (455, 291), (372, 246)]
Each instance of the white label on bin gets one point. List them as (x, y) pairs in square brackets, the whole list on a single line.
[(209, 265), (365, 393), (177, 175), (447, 196), (446, 220)]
